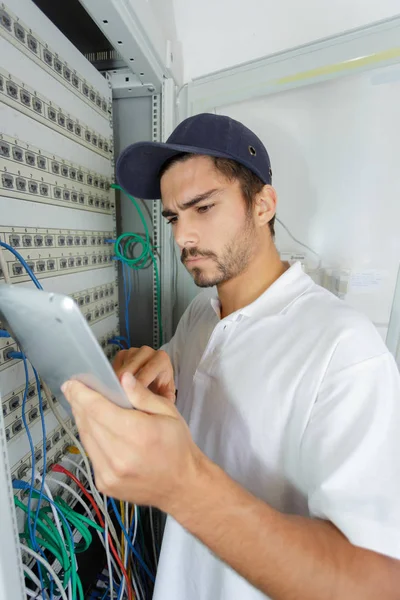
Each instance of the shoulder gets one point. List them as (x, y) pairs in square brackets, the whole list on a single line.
[(350, 334)]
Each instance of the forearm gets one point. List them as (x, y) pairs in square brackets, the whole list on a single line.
[(286, 557)]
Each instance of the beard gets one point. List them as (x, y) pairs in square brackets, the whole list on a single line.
[(232, 261)]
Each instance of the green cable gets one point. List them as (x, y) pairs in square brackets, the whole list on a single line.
[(81, 546), (147, 252), (70, 543), (67, 509)]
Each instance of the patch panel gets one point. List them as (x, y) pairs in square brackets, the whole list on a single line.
[(12, 410), (21, 36), (110, 350), (10, 346), (55, 180), (54, 251), (19, 96), (54, 454)]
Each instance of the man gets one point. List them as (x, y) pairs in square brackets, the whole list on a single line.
[(281, 469)]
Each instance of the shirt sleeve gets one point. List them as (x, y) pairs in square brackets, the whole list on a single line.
[(350, 454)]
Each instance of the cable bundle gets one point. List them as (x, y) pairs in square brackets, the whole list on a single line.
[(52, 527)]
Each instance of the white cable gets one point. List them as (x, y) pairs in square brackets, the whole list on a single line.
[(48, 567), (77, 443), (59, 527), (153, 536), (77, 467), (108, 554), (301, 243), (88, 512), (4, 267), (36, 581)]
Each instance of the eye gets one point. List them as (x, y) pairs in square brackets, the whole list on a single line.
[(204, 209), (172, 221)]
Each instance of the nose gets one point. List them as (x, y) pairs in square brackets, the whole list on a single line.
[(185, 235)]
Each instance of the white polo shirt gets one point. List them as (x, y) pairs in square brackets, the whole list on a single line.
[(297, 398)]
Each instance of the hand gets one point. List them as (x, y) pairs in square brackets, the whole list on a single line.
[(145, 456), (152, 368)]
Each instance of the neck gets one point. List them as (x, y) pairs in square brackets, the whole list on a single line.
[(264, 268)]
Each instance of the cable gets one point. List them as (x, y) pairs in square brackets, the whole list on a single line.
[(141, 261), (23, 485), (4, 267), (48, 567), (23, 263), (120, 338), (153, 536), (77, 443), (32, 531), (139, 558), (77, 467), (35, 580), (116, 342), (86, 508), (110, 573), (44, 437), (301, 243), (60, 469), (132, 535)]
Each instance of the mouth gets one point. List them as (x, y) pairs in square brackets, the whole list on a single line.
[(194, 259)]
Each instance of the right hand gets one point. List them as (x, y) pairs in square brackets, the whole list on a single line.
[(153, 368)]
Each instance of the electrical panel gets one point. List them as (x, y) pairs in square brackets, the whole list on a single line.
[(58, 212)]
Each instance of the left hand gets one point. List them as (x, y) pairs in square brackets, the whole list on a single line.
[(145, 456)]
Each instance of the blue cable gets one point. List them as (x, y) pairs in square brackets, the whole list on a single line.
[(105, 593), (131, 529), (33, 461), (44, 434), (121, 338), (116, 343), (129, 541), (18, 484), (23, 263)]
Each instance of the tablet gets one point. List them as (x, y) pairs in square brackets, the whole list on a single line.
[(55, 337)]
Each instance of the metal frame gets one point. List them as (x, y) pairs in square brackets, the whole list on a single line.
[(12, 585), (359, 50), (156, 214), (134, 31), (167, 254)]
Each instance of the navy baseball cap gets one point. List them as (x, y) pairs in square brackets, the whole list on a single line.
[(139, 165)]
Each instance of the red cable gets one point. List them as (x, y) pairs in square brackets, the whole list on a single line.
[(61, 469)]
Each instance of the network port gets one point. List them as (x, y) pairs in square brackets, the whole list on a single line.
[(17, 269), (15, 241)]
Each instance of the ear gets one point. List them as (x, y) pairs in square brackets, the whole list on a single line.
[(265, 205)]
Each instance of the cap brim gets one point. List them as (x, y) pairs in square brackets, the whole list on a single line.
[(139, 165)]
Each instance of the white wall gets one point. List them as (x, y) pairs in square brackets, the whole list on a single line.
[(216, 34), (334, 154)]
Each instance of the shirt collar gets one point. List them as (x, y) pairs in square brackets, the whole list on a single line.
[(285, 290)]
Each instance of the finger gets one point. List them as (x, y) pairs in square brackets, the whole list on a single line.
[(134, 360), (81, 397), (119, 359), (144, 400), (166, 390)]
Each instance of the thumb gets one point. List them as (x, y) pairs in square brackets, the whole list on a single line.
[(143, 399)]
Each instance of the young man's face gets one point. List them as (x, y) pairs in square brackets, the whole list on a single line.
[(210, 221)]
